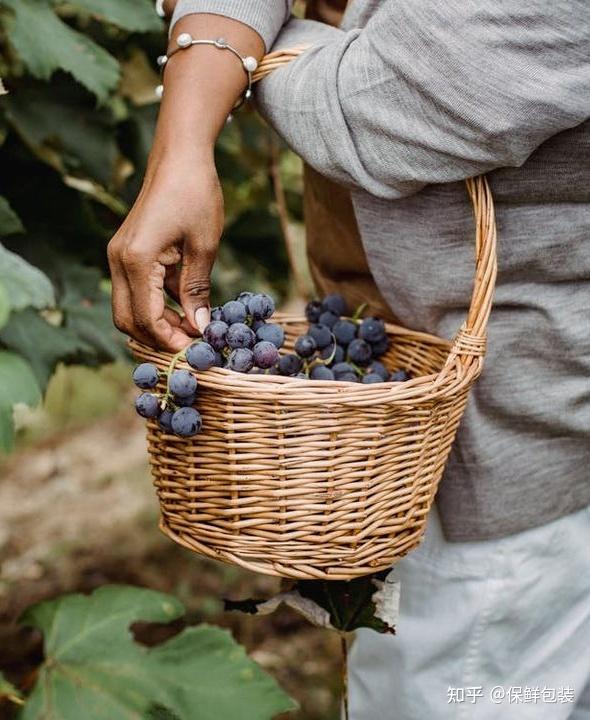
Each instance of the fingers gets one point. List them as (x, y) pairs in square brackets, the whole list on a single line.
[(195, 284)]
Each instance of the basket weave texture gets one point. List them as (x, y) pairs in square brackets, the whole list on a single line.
[(323, 480)]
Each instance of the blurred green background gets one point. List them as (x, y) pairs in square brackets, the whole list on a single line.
[(77, 510)]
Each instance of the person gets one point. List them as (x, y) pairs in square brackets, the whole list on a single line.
[(398, 106)]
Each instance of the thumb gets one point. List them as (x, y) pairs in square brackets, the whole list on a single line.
[(195, 285)]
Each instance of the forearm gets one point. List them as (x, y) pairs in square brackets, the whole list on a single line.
[(201, 85)]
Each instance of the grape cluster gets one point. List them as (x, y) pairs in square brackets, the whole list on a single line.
[(241, 338)]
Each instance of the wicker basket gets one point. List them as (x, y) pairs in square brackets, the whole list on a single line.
[(323, 480)]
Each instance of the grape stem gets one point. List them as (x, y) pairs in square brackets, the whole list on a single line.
[(171, 366), (359, 311), (319, 361)]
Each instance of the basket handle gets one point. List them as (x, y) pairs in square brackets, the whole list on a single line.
[(470, 341)]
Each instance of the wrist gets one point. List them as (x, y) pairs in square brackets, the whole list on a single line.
[(170, 165)]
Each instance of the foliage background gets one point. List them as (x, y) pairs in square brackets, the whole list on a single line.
[(77, 511)]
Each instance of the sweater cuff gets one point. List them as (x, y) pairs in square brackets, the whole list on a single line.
[(265, 16)]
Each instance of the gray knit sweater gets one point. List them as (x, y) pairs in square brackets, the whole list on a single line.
[(402, 104)]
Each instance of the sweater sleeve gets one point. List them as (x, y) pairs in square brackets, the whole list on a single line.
[(265, 16), (431, 92)]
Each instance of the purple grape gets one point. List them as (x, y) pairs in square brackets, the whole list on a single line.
[(147, 405), (379, 368), (380, 347), (217, 313), (240, 360), (339, 353), (321, 372), (182, 383), (335, 303), (261, 306), (256, 324), (321, 334), (300, 376), (305, 346), (313, 310), (348, 377), (200, 356), (165, 420), (215, 334), (240, 335), (344, 331), (329, 318), (341, 369), (244, 298), (234, 312), (289, 364), (186, 422), (271, 332), (360, 352), (184, 401), (400, 376), (218, 360), (372, 330), (265, 354), (372, 378), (146, 376)]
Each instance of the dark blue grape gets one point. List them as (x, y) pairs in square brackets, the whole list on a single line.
[(184, 401), (215, 334), (147, 405), (256, 324), (400, 376), (344, 331), (261, 306), (313, 310), (217, 313), (240, 360), (360, 352), (244, 298), (240, 335), (265, 354), (289, 364), (200, 356), (378, 368), (339, 354), (271, 332), (372, 330), (342, 368), (146, 376), (234, 312), (329, 318), (335, 303), (301, 376), (348, 377), (380, 347), (321, 334), (186, 422), (305, 346), (165, 419), (182, 383), (372, 378), (218, 360), (321, 372)]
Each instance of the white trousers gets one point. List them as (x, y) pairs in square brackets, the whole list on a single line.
[(493, 630)]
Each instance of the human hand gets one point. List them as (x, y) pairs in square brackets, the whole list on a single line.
[(168, 242)]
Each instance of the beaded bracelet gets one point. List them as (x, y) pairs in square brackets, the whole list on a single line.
[(185, 40), (160, 8)]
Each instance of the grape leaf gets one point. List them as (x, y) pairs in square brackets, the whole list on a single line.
[(43, 344), (4, 306), (8, 691), (94, 669), (25, 285), (45, 44), (9, 221), (371, 601), (132, 15), (18, 385)]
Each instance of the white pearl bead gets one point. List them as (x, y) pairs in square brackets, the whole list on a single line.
[(248, 94), (184, 40), (221, 43), (162, 60), (250, 63), (159, 90)]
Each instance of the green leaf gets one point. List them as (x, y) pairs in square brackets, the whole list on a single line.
[(9, 692), (4, 306), (9, 221), (25, 285), (42, 344), (18, 385), (132, 15), (45, 44), (92, 662)]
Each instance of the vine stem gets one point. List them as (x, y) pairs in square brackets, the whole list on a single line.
[(344, 648), (175, 359)]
